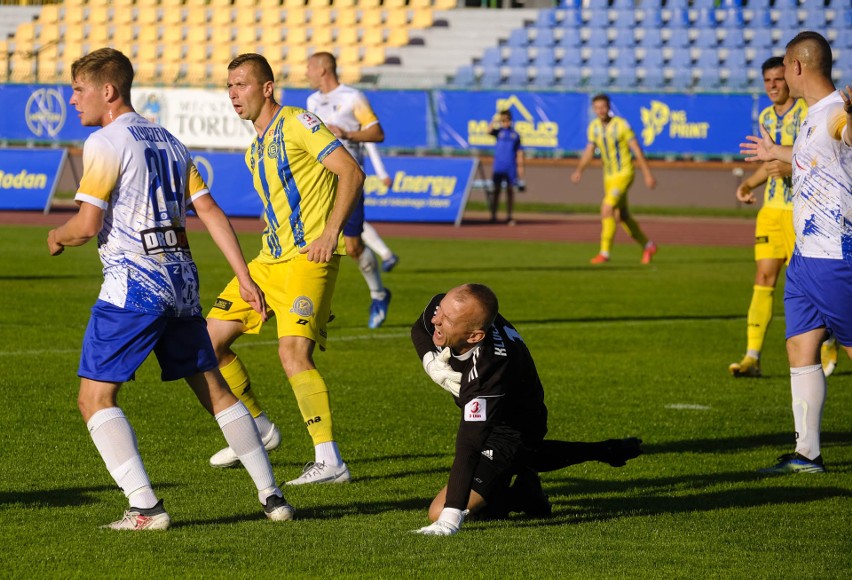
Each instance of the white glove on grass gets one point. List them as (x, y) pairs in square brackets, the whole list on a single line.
[(448, 523), (438, 368)]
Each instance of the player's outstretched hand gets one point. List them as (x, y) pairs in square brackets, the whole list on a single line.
[(53, 246), (437, 366), (447, 524), (758, 148)]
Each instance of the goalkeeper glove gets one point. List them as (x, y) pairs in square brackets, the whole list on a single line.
[(448, 523), (438, 368)]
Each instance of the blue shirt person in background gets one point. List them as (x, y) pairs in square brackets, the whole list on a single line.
[(508, 164)]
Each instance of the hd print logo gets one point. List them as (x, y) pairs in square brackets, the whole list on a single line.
[(658, 115), (303, 306), (45, 112)]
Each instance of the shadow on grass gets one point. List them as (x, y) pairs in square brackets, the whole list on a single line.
[(737, 444), (61, 497), (603, 509)]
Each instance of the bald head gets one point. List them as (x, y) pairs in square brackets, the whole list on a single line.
[(481, 304), (812, 50)]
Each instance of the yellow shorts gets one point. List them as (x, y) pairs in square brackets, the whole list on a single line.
[(615, 190), (774, 236), (298, 293)]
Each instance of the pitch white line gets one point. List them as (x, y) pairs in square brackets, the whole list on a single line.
[(689, 406)]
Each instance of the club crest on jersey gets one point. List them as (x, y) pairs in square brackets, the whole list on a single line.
[(303, 306), (272, 150), (310, 121), (475, 410)]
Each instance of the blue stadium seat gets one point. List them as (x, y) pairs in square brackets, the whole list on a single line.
[(598, 78), (679, 39), (546, 18), (464, 77), (652, 18), (651, 38), (544, 37), (517, 77), (733, 18), (677, 4), (706, 18), (680, 60), (571, 58), (732, 4), (844, 40), (653, 78), (570, 78), (786, 4), (570, 3), (733, 38), (519, 37), (570, 39), (843, 18), (815, 19), (708, 58), (625, 19), (624, 4), (706, 38), (598, 38), (544, 77), (598, 17), (788, 19), (759, 4), (703, 4), (491, 77), (761, 40), (762, 18), (737, 79), (626, 58), (625, 77), (709, 79), (492, 57), (571, 18), (736, 58), (544, 58), (624, 38), (518, 56), (598, 58), (681, 81), (653, 58), (679, 19)]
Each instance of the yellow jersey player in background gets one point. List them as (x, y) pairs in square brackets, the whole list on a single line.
[(348, 114), (309, 185), (774, 237), (614, 138)]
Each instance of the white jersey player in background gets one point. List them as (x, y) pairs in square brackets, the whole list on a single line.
[(347, 113), (370, 235), (137, 183)]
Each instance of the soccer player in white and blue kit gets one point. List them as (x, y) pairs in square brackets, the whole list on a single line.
[(137, 183), (818, 292)]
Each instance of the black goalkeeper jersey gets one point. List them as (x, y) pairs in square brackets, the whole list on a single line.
[(500, 389)]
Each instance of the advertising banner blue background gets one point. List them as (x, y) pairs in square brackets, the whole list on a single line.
[(404, 115), (687, 124), (424, 189), (39, 113), (28, 177), (545, 121), (230, 182)]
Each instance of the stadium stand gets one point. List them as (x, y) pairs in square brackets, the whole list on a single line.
[(702, 45)]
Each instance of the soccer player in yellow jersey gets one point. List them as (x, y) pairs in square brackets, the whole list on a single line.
[(309, 185), (774, 236), (614, 138)]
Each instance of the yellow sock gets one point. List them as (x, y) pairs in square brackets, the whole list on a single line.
[(631, 227), (607, 234), (759, 316), (237, 378), (312, 396)]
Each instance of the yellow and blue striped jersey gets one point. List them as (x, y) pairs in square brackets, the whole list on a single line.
[(297, 191), (611, 140), (783, 130)]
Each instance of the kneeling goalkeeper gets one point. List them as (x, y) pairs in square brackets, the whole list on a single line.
[(470, 350)]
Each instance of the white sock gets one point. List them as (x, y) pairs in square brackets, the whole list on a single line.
[(808, 386), (116, 442), (755, 354), (369, 267), (243, 438), (375, 242), (264, 425), (328, 453)]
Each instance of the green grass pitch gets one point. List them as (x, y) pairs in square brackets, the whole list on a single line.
[(623, 350)]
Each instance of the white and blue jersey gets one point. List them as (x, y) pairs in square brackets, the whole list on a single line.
[(143, 178)]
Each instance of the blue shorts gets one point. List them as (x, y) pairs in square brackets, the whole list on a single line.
[(818, 294), (117, 342), (355, 226), (503, 178)]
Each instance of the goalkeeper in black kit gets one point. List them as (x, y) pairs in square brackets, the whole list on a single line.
[(470, 350)]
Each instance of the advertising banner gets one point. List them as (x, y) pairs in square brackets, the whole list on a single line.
[(39, 113), (404, 115), (197, 117), (230, 182), (423, 189), (545, 121), (28, 177), (687, 124)]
